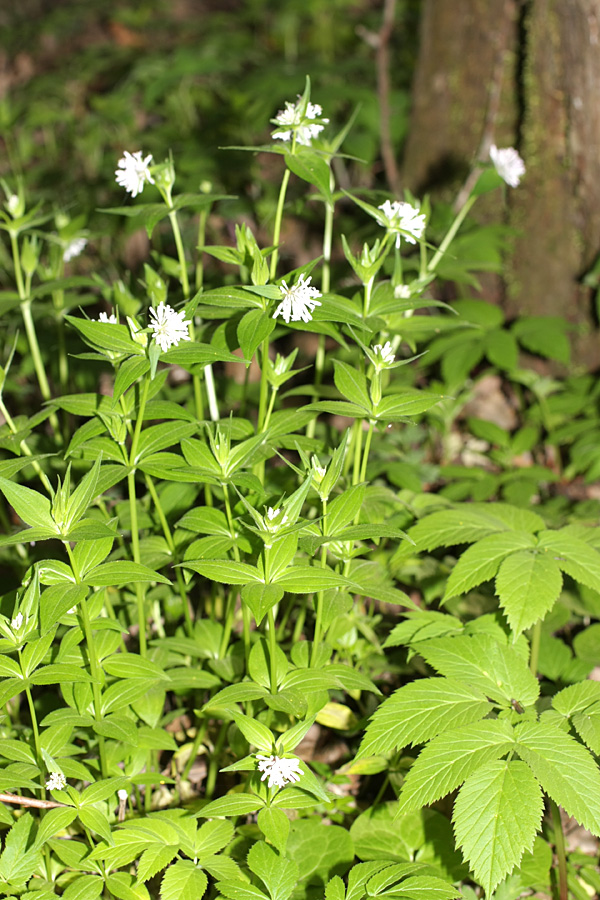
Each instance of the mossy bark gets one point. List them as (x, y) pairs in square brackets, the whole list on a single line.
[(542, 58)]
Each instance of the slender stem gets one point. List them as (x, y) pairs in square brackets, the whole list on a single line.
[(272, 650), (534, 651), (233, 593), (365, 460), (320, 598), (357, 451), (215, 758), (200, 732), (434, 262), (135, 537), (559, 849), (367, 298), (278, 218), (36, 731), (202, 220), (264, 386), (26, 451), (183, 277), (211, 395), (270, 409)]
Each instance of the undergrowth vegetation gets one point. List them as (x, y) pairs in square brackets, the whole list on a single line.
[(300, 563)]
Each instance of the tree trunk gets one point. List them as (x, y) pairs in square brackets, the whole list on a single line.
[(524, 75)]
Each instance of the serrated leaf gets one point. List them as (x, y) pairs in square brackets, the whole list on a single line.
[(565, 769), (155, 858), (528, 585), (497, 670), (480, 562), (183, 881), (574, 556), (275, 826), (279, 875), (125, 887), (419, 711), (471, 522), (450, 758), (85, 887), (496, 816)]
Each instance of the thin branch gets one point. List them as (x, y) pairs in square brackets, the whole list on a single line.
[(29, 801), (380, 42)]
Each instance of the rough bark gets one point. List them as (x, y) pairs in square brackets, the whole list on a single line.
[(524, 75)]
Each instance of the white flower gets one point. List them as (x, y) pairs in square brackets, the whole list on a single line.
[(279, 770), (122, 794), (13, 203), (17, 622), (403, 220), (273, 514), (56, 782), (319, 470), (134, 172), (508, 164), (385, 353), (168, 326), (74, 248), (292, 115), (298, 301), (402, 292), (108, 320)]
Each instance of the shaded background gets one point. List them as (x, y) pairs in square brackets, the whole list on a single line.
[(435, 83)]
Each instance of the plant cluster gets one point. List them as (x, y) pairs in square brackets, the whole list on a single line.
[(236, 524)]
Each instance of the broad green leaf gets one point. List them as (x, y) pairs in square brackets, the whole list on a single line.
[(57, 672), (212, 837), (57, 600), (260, 598), (498, 671), (496, 816), (183, 881), (119, 728), (130, 665), (232, 805), (306, 579), (125, 887), (405, 405), (85, 887), (565, 769), (123, 692), (234, 694), (114, 574), (155, 858), (279, 875), (159, 437), (335, 889), (96, 820), (377, 836), (238, 890), (352, 384), (102, 790), (587, 726), (576, 697), (343, 509), (319, 850), (275, 826), (574, 556), (450, 758), (528, 585), (54, 821), (425, 887), (313, 168), (224, 571), (480, 562), (471, 522), (253, 328), (418, 711), (254, 731), (29, 505)]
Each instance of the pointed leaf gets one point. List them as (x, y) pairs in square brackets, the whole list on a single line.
[(496, 816), (114, 574), (29, 505), (183, 881), (450, 758), (528, 585), (564, 768), (279, 875), (420, 710), (481, 561), (225, 571)]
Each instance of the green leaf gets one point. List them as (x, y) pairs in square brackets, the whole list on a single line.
[(232, 805), (29, 505), (130, 665), (85, 887), (57, 672), (494, 669), (496, 816), (311, 167), (574, 556), (96, 821), (275, 826), (183, 881), (254, 731), (406, 404), (118, 728), (237, 890), (320, 851), (159, 437), (450, 758), (471, 522), (115, 574), (54, 820), (125, 887), (343, 509), (528, 585), (418, 711), (58, 600), (260, 598), (564, 768), (306, 579), (155, 858), (253, 328), (279, 875), (224, 571), (122, 693), (481, 561), (377, 836), (352, 384)]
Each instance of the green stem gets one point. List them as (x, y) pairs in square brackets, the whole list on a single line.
[(232, 596), (367, 298), (534, 652), (462, 214), (135, 537), (278, 219), (173, 550), (215, 761), (183, 277), (26, 451), (320, 595), (365, 460), (202, 220), (200, 732), (559, 849), (264, 385), (272, 650)]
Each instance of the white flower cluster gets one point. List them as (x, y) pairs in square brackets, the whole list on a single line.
[(305, 129), (133, 172), (17, 622), (279, 770), (168, 326), (272, 521), (403, 220), (74, 248), (385, 353), (108, 320), (56, 782), (508, 164), (299, 300)]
